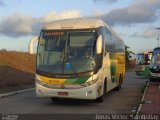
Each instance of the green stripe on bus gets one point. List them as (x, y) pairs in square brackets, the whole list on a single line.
[(79, 80), (70, 81), (113, 66)]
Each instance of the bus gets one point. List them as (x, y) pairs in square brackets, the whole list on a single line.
[(142, 63), (154, 68), (79, 58)]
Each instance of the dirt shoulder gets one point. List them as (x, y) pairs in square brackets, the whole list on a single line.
[(16, 71), (152, 99)]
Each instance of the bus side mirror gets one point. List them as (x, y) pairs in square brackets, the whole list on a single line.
[(31, 44), (99, 45)]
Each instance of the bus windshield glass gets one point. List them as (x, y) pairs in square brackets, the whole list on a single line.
[(143, 58), (66, 52), (155, 60), (140, 59)]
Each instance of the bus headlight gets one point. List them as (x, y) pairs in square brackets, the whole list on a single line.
[(91, 82), (37, 80)]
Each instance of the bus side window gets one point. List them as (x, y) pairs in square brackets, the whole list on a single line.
[(158, 59), (113, 41), (116, 44), (119, 45), (108, 41)]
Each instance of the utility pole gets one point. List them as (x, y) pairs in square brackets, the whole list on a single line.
[(158, 38)]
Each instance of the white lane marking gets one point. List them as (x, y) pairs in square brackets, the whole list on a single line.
[(16, 92)]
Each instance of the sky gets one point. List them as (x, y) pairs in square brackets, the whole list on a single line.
[(134, 20)]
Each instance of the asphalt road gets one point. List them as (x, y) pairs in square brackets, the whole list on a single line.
[(122, 101)]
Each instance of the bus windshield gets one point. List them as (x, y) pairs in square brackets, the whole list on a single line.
[(66, 52), (156, 60), (143, 58)]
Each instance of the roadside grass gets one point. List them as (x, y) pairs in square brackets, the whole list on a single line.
[(3, 63)]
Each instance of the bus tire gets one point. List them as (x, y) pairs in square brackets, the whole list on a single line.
[(120, 84), (152, 80), (101, 98), (54, 99)]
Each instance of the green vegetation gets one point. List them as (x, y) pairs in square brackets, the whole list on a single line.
[(3, 63), (128, 53)]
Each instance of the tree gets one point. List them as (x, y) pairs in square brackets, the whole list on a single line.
[(3, 50), (128, 54)]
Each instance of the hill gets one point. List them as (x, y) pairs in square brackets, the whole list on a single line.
[(16, 70)]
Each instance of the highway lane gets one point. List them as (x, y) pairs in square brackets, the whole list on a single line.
[(122, 101)]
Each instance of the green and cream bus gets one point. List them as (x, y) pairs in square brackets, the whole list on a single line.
[(79, 58), (142, 63)]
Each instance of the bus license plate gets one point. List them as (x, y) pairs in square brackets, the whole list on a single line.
[(63, 93)]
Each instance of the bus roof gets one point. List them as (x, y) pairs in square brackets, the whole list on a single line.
[(75, 23), (156, 50)]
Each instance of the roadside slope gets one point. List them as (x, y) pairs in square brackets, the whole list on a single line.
[(16, 71)]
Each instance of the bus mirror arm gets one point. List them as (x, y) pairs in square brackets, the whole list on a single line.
[(99, 44), (31, 44)]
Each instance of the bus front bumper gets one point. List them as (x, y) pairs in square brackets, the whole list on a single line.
[(90, 92), (140, 73), (154, 76)]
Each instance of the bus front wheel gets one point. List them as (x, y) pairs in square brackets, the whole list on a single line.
[(101, 98), (54, 99), (151, 79)]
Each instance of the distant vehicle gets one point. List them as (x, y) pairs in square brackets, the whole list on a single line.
[(142, 63), (78, 58), (154, 68)]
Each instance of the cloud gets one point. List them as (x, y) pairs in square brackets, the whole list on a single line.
[(141, 11), (146, 33), (136, 34), (18, 25), (1, 3), (149, 34), (64, 15), (109, 1)]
